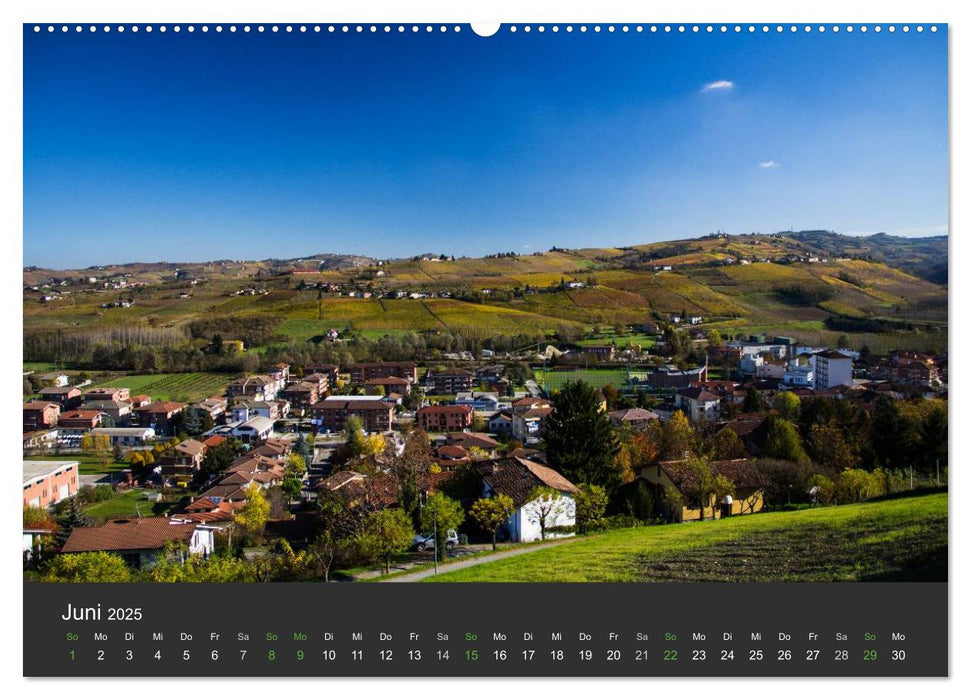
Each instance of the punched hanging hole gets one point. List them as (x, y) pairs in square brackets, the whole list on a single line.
[(485, 28)]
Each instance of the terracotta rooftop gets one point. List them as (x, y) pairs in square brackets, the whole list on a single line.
[(633, 414), (517, 478), (162, 407), (127, 534)]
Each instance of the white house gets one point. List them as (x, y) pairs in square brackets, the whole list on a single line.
[(697, 403), (798, 374), (478, 400), (255, 430), (553, 512), (501, 422), (750, 363), (55, 379), (127, 437), (141, 541), (529, 424)]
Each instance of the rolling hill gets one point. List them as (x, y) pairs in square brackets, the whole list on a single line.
[(805, 284)]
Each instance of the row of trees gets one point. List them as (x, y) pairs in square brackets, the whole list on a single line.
[(798, 438), (196, 348)]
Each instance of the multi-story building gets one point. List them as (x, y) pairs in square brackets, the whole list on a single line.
[(799, 373), (260, 387), (697, 403), (67, 397), (528, 424), (39, 415), (322, 380), (391, 385), (159, 415), (302, 395), (449, 381), (332, 413), (47, 483), (603, 352), (215, 406), (362, 371), (185, 459), (329, 371), (118, 411), (670, 377), (107, 394), (244, 410), (445, 418), (831, 368), (78, 422)]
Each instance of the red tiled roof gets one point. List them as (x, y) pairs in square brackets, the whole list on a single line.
[(432, 481), (537, 412), (202, 504), (378, 381), (452, 452), (162, 407), (340, 479), (352, 405), (38, 405), (117, 535), (633, 414), (697, 393), (59, 390), (473, 440), (191, 447), (741, 472), (517, 478), (80, 415), (530, 400)]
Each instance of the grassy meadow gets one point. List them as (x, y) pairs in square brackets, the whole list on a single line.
[(897, 539)]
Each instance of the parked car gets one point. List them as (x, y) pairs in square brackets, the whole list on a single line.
[(427, 541)]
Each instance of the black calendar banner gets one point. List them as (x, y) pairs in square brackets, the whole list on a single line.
[(487, 630)]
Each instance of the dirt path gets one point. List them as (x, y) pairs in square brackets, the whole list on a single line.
[(475, 561)]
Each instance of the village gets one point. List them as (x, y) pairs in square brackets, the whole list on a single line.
[(310, 463)]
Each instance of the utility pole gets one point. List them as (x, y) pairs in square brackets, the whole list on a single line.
[(911, 477), (937, 463)]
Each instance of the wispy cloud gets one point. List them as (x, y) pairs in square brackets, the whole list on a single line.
[(718, 85), (769, 164)]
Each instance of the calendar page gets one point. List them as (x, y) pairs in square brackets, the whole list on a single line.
[(513, 350)]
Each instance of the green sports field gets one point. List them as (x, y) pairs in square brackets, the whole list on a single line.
[(553, 381)]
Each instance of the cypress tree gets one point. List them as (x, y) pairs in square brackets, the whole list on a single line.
[(580, 440)]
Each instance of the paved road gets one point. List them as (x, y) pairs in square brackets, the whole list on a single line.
[(456, 566)]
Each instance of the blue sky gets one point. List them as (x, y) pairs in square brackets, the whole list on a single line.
[(188, 147)]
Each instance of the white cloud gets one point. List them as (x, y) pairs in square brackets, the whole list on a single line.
[(718, 85), (769, 164)]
